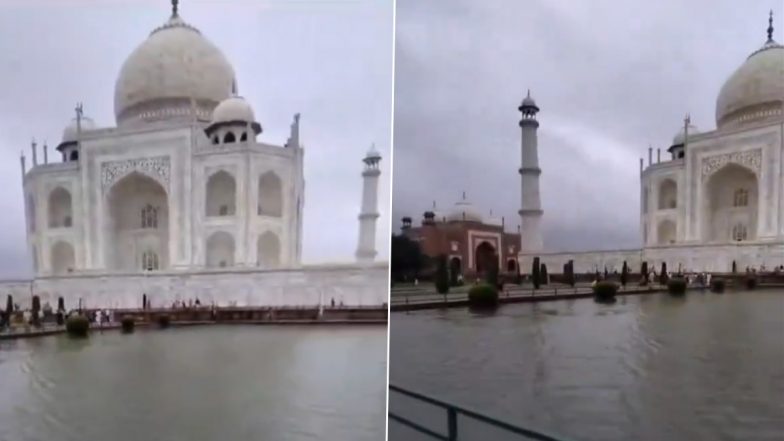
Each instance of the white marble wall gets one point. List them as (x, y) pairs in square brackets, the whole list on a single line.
[(350, 285)]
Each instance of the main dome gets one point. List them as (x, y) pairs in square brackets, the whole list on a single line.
[(173, 74), (755, 91)]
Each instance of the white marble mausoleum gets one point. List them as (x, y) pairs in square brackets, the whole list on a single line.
[(718, 197), (183, 195)]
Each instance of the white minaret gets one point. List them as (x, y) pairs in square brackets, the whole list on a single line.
[(366, 249), (530, 202)]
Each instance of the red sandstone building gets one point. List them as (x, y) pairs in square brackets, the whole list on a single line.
[(469, 241)]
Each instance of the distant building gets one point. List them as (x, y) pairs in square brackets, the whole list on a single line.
[(470, 241)]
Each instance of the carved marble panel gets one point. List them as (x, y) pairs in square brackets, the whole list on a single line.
[(158, 168), (751, 159)]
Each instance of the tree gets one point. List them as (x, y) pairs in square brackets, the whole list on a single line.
[(36, 311), (535, 273), (734, 267), (9, 308), (606, 273), (644, 272), (442, 275), (406, 257), (544, 274), (663, 275), (570, 267), (60, 303), (624, 274), (491, 276)]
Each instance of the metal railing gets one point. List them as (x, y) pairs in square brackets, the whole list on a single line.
[(453, 413)]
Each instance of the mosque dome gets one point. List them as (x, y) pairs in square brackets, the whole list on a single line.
[(464, 211), (233, 109), (681, 135), (755, 91), (69, 133), (173, 74)]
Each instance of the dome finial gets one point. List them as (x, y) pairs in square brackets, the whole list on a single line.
[(770, 27), (175, 3)]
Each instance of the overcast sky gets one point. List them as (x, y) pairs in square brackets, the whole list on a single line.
[(610, 77), (331, 60)]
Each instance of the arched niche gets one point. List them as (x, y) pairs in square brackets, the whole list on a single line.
[(268, 250), (220, 250), (270, 195), (485, 257), (60, 209), (221, 194), (63, 258), (668, 194), (666, 232)]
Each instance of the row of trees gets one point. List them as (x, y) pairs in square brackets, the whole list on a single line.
[(36, 317)]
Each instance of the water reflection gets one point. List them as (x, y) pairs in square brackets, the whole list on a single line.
[(208, 383), (650, 367)]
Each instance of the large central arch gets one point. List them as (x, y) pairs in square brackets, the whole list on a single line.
[(731, 200), (486, 257), (137, 225)]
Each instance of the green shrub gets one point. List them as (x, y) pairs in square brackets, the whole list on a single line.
[(751, 282), (483, 296), (676, 286), (128, 323), (77, 326), (717, 285), (536, 277), (605, 290), (164, 321)]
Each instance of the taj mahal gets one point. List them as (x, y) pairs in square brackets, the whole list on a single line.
[(717, 199), (183, 197)]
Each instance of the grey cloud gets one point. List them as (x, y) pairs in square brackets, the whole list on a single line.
[(611, 78), (330, 60)]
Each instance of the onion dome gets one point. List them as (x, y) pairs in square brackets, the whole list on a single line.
[(176, 73), (755, 91)]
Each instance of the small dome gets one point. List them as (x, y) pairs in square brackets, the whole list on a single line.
[(69, 133), (681, 135), (373, 153), (464, 211), (174, 73), (233, 109), (755, 91)]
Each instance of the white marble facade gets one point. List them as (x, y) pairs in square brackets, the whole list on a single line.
[(718, 197), (182, 185)]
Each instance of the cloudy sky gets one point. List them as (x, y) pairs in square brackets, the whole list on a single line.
[(610, 77), (331, 60)]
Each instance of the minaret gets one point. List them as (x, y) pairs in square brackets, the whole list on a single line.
[(366, 249), (530, 201)]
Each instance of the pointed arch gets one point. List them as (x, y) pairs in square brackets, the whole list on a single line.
[(229, 138), (63, 258), (668, 194), (136, 222), (221, 194), (270, 195), (220, 250), (666, 232), (268, 250), (60, 210)]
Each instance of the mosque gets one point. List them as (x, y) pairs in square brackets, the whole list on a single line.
[(182, 197), (718, 198)]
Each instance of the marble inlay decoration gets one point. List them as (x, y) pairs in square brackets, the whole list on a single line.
[(158, 168), (751, 159)]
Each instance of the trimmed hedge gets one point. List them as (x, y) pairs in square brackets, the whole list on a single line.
[(605, 290), (751, 282), (128, 323), (717, 285), (483, 296), (164, 321), (77, 326), (676, 286)]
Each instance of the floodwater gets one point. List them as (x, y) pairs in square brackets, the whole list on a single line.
[(649, 367), (197, 383)]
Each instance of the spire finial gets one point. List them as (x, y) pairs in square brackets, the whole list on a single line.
[(233, 86), (529, 93), (770, 27), (174, 3), (463, 194)]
